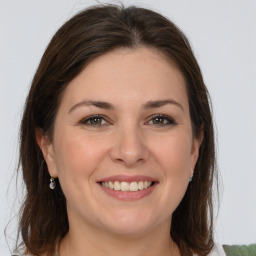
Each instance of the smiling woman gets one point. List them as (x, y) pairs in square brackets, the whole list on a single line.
[(118, 123)]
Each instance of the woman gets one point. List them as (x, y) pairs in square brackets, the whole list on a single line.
[(117, 141)]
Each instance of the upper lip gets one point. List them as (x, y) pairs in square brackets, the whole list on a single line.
[(128, 178)]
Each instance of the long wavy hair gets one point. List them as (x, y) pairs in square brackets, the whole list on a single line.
[(89, 34)]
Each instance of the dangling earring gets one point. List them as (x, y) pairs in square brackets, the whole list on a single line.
[(52, 184), (191, 177)]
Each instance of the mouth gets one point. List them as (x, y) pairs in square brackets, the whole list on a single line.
[(128, 187), (125, 186)]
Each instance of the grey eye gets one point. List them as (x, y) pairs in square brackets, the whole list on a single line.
[(94, 121), (161, 120)]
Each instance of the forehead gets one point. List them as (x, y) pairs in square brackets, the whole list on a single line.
[(127, 75)]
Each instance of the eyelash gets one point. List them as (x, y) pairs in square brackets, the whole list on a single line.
[(170, 121), (90, 118)]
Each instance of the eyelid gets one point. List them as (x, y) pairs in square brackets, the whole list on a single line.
[(86, 119), (170, 120)]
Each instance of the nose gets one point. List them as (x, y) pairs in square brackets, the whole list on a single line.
[(129, 148)]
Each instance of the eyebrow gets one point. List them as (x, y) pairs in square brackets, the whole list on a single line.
[(98, 104), (108, 106), (160, 103)]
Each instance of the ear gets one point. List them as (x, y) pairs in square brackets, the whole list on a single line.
[(44, 143), (197, 141)]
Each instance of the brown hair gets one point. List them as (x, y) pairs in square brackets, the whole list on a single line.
[(87, 35)]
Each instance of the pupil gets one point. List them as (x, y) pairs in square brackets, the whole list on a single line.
[(96, 121), (158, 120)]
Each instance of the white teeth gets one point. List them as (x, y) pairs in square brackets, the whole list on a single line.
[(117, 185), (111, 185), (126, 186), (134, 186), (141, 185)]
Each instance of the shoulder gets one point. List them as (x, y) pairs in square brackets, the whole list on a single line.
[(20, 254), (26, 255), (23, 255), (217, 251), (240, 249)]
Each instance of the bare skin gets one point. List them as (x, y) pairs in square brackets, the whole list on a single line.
[(116, 245), (126, 113)]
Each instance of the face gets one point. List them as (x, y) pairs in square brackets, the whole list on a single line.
[(123, 148)]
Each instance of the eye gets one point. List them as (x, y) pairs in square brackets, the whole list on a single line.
[(95, 121), (161, 120)]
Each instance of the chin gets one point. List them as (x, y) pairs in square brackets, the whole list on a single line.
[(128, 230), (129, 223)]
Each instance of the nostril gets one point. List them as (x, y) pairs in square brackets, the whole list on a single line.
[(129, 150)]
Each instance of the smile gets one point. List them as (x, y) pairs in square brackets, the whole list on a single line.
[(124, 186), (128, 188)]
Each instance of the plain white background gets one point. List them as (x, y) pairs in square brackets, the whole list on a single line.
[(223, 36)]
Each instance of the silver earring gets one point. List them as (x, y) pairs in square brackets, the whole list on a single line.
[(52, 184), (191, 177)]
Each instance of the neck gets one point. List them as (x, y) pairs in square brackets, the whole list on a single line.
[(105, 243)]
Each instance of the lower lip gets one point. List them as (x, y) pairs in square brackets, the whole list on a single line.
[(128, 196)]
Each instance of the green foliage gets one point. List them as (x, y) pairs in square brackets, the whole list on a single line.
[(240, 250)]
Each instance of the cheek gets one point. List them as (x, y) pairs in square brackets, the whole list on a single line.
[(174, 154), (174, 157), (77, 157)]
